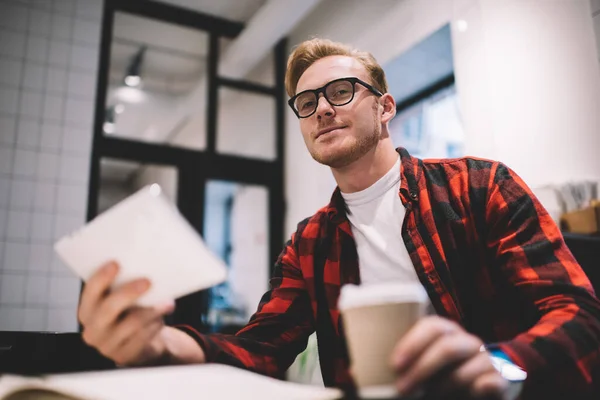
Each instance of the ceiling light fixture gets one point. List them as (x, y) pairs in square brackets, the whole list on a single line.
[(108, 127), (133, 76), (109, 121), (132, 80)]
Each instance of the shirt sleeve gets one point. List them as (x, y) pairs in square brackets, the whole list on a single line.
[(561, 351), (276, 333)]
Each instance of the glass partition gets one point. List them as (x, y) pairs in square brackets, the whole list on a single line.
[(119, 179), (236, 229), (157, 82), (246, 124)]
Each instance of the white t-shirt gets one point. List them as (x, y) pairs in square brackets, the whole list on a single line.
[(376, 217)]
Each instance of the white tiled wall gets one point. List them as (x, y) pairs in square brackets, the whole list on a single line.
[(48, 66)]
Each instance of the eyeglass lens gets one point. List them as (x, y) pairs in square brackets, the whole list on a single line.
[(337, 93)]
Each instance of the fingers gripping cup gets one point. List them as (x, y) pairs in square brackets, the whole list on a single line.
[(375, 318)]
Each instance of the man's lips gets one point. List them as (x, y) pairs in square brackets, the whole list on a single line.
[(327, 130)]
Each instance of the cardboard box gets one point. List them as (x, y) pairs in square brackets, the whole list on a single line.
[(584, 221)]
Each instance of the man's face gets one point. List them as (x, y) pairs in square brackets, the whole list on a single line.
[(339, 135)]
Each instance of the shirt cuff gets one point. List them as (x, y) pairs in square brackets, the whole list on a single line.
[(208, 347)]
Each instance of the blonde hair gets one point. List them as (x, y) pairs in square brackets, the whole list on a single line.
[(307, 52)]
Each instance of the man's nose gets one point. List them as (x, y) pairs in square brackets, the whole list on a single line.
[(324, 109)]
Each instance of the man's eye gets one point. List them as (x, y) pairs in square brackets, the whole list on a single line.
[(340, 93), (307, 105)]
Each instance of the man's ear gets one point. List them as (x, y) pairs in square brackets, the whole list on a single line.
[(388, 107)]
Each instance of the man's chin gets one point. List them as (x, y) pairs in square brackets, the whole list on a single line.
[(341, 153), (336, 160)]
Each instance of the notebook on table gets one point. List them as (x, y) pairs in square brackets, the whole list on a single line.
[(208, 381)]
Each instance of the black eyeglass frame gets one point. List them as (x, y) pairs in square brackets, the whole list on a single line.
[(323, 89)]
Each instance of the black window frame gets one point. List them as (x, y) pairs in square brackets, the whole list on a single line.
[(195, 167)]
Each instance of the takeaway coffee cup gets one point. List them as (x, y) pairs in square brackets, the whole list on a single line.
[(375, 317)]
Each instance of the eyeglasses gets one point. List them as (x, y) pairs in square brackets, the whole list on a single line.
[(338, 92)]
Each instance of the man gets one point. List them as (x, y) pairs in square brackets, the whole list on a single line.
[(493, 262)]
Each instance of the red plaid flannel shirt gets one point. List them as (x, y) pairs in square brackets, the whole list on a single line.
[(486, 251)]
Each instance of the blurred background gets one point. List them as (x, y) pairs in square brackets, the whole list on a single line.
[(100, 98)]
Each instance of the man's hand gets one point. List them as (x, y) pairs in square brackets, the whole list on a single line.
[(440, 356), (127, 334)]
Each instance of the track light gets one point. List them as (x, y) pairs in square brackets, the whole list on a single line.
[(133, 76), (109, 120)]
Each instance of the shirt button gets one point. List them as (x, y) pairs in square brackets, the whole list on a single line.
[(413, 195)]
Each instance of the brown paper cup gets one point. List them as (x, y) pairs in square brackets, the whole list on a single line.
[(372, 331)]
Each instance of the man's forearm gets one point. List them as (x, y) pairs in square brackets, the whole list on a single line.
[(180, 348), (562, 362)]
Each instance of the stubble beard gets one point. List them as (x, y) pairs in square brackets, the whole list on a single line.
[(360, 146)]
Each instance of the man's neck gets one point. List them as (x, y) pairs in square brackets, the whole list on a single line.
[(368, 169)]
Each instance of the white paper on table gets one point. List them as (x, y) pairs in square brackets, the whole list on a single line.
[(207, 381)]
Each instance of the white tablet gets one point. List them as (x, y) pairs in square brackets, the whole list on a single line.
[(149, 238)]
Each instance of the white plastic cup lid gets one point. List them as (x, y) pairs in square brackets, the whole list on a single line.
[(353, 296)]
